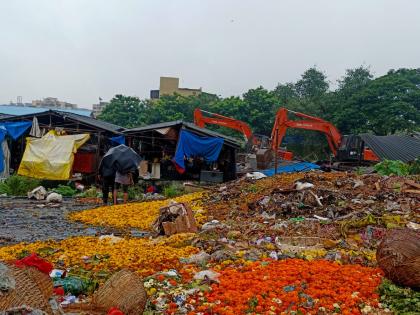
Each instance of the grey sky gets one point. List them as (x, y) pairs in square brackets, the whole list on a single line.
[(77, 50)]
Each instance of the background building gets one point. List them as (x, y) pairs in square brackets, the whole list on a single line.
[(170, 86), (98, 108), (52, 102)]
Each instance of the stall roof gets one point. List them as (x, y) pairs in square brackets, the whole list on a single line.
[(88, 121), (187, 125), (14, 110), (395, 147)]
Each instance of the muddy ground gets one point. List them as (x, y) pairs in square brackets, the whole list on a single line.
[(23, 220)]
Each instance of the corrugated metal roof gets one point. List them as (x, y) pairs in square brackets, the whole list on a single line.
[(187, 125), (81, 118), (27, 110), (395, 147), (92, 121)]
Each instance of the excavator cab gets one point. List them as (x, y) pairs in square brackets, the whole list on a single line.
[(351, 149)]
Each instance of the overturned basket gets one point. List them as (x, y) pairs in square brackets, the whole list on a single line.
[(33, 288), (398, 255), (123, 290)]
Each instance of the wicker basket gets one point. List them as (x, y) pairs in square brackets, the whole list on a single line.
[(31, 289), (123, 290), (398, 255)]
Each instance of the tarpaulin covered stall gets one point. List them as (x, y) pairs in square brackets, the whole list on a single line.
[(14, 130), (191, 145), (52, 156)]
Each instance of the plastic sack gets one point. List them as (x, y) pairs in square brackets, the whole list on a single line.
[(75, 285), (34, 261)]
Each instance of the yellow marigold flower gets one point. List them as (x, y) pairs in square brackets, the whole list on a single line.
[(138, 215)]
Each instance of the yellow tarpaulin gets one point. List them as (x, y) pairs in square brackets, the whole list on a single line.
[(51, 157)]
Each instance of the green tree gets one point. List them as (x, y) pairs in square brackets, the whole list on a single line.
[(177, 107), (386, 105), (259, 108), (125, 111), (312, 84)]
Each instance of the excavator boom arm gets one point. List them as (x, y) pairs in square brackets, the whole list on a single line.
[(310, 123), (220, 120)]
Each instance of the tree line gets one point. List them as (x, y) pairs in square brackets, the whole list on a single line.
[(359, 103)]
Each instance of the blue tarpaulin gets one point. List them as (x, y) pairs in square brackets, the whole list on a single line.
[(118, 139), (297, 167), (191, 145), (14, 130)]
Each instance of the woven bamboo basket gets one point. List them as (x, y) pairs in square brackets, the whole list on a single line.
[(31, 290), (123, 290), (398, 255)]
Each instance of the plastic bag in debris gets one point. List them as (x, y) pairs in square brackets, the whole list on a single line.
[(56, 273), (110, 238), (54, 198), (75, 285), (214, 224), (255, 175), (302, 186), (7, 281), (34, 261), (197, 259), (207, 274), (38, 193)]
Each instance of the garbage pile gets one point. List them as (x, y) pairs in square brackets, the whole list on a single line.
[(295, 243)]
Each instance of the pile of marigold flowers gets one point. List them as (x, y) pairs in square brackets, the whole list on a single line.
[(109, 254), (138, 215), (291, 286)]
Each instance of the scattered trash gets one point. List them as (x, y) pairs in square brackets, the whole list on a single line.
[(175, 218), (207, 275), (197, 259), (38, 193), (54, 198), (7, 281), (255, 175), (110, 238)]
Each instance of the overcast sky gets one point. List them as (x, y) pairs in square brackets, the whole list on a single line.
[(78, 50)]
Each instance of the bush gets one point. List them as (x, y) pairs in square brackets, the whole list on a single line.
[(65, 191), (389, 167), (415, 167), (172, 191), (17, 185)]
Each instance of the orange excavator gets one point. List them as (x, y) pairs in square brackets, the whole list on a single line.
[(345, 148), (216, 119)]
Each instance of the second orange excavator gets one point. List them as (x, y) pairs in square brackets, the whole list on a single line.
[(345, 148)]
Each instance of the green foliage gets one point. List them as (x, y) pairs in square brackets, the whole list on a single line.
[(92, 192), (389, 167), (18, 185), (125, 111), (65, 191), (135, 193), (172, 191), (398, 299), (415, 167)]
